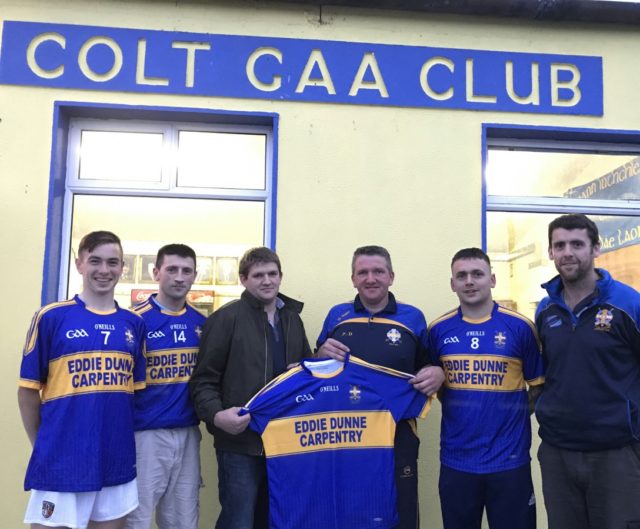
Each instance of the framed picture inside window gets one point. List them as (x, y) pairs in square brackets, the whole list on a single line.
[(145, 272), (226, 270), (205, 271), (129, 268)]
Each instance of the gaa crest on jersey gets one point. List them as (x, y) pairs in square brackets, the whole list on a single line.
[(76, 333), (354, 393), (394, 336), (603, 320), (47, 509), (499, 339)]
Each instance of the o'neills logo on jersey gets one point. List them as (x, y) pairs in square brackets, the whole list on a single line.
[(394, 336), (603, 320)]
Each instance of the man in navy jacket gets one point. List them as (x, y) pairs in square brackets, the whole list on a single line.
[(589, 411)]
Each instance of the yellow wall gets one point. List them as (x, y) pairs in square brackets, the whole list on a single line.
[(408, 179)]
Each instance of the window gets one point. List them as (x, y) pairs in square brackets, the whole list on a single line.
[(154, 182), (534, 175)]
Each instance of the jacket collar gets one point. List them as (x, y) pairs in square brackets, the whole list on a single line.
[(554, 286), (287, 302), (390, 308)]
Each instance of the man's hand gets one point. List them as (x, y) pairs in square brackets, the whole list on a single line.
[(428, 380), (332, 348), (229, 420)]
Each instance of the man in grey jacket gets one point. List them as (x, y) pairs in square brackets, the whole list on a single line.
[(245, 345)]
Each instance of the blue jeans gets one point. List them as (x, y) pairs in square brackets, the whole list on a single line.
[(243, 493)]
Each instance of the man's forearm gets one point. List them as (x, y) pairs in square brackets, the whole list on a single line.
[(533, 395), (29, 403)]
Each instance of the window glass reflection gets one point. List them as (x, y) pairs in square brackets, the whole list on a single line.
[(220, 231), (222, 160), (518, 246), (558, 174), (121, 156)]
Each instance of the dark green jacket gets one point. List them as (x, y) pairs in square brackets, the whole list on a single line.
[(235, 362)]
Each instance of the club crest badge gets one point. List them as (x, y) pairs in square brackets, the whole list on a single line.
[(500, 339), (354, 393), (394, 336), (47, 509), (129, 336), (198, 331), (603, 320)]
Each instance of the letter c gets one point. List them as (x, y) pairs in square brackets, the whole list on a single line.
[(31, 55), (424, 78)]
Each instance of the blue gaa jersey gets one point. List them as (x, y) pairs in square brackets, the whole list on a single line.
[(395, 337), (328, 430), (485, 414), (87, 364), (173, 339)]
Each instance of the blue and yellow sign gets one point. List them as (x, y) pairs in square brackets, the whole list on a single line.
[(136, 60)]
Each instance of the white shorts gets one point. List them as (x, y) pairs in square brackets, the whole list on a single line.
[(76, 509)]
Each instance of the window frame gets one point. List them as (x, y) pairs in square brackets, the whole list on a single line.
[(64, 182), (555, 139)]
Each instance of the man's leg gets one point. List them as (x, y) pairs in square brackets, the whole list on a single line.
[(510, 501), (461, 498), (406, 475), (240, 478), (111, 524), (613, 495), (261, 512), (564, 487), (154, 459), (178, 508)]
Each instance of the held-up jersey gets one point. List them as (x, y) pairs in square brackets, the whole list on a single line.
[(395, 337), (87, 364), (328, 431), (172, 347), (485, 415)]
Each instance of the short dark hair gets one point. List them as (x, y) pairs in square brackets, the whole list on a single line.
[(575, 221), (372, 250), (181, 250), (259, 255), (471, 253), (92, 240)]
